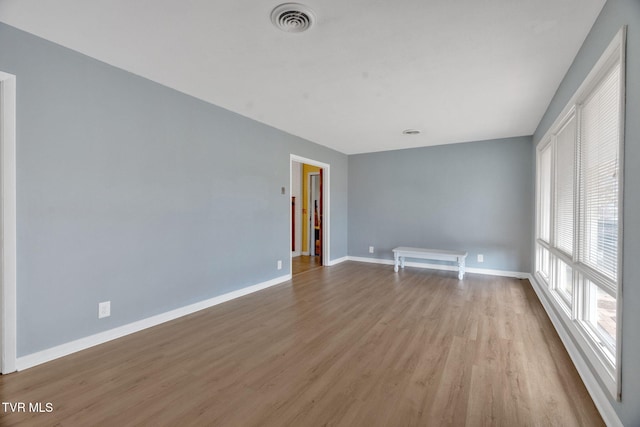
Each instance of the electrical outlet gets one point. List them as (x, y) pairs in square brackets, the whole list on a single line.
[(279, 264), (104, 309), (371, 249), (480, 258)]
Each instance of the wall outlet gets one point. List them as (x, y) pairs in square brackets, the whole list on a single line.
[(371, 248), (279, 264), (104, 309), (480, 258)]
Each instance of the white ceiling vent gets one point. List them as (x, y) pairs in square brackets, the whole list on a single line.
[(292, 17)]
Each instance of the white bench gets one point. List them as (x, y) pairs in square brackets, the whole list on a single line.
[(399, 254)]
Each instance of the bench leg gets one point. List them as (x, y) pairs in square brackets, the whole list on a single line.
[(395, 262), (401, 262), (460, 268)]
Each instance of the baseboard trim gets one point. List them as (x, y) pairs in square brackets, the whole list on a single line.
[(34, 359), (596, 392), (489, 272), (338, 261)]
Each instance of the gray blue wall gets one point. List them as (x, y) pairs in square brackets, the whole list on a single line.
[(475, 196), (132, 192), (614, 15)]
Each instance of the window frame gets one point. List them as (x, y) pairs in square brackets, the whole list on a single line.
[(575, 310)]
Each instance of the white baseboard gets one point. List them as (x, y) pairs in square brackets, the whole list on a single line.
[(305, 253), (372, 260), (503, 273), (295, 254), (33, 359), (597, 393), (338, 261)]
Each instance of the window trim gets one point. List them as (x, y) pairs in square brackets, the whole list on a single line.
[(609, 371), (547, 144)]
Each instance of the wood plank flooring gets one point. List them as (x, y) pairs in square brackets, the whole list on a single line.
[(349, 345), (304, 263)]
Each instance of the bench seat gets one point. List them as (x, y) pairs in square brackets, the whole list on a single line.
[(402, 252)]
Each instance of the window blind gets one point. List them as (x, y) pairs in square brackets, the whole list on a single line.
[(599, 163), (564, 182)]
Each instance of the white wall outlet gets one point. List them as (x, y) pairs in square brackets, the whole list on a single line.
[(371, 249), (279, 264), (104, 309), (480, 258)]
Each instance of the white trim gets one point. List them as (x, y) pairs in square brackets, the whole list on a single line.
[(372, 260), (486, 271), (596, 392), (619, 297), (338, 261), (31, 360), (8, 309), (326, 201), (296, 215)]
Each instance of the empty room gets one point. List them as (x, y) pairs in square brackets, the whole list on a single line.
[(243, 213)]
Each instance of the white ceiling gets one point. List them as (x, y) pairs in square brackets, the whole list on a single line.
[(459, 70)]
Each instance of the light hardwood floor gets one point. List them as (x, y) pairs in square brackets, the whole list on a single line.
[(350, 345), (304, 263)]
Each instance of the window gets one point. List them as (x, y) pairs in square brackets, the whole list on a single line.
[(599, 145), (579, 169), (564, 282), (601, 315), (564, 186)]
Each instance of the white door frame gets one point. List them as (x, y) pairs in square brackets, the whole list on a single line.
[(299, 226), (326, 174), (8, 309)]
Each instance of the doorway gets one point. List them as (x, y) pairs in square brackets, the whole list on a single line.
[(310, 222)]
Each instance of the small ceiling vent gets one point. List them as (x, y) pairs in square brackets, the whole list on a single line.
[(292, 17)]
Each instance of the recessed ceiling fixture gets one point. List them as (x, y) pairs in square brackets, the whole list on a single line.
[(411, 132), (292, 17)]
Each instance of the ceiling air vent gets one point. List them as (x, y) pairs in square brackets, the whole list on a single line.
[(292, 17)]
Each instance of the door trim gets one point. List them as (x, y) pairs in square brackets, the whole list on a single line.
[(8, 310), (326, 189)]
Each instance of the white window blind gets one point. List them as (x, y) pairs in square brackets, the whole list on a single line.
[(599, 149), (545, 194), (564, 182)]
